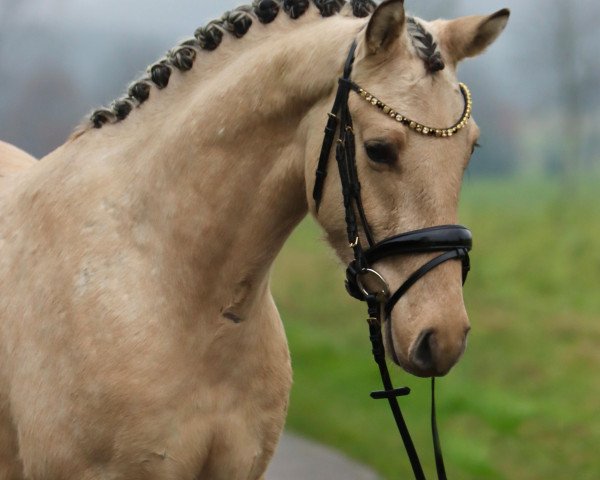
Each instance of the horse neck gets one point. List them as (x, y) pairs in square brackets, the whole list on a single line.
[(215, 163)]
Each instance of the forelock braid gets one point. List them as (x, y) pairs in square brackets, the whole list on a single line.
[(425, 46)]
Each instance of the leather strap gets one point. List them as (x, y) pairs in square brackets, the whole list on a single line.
[(330, 130), (340, 120), (420, 273), (454, 241), (437, 448), (427, 240), (390, 393)]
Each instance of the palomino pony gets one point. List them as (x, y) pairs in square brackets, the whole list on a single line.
[(139, 338)]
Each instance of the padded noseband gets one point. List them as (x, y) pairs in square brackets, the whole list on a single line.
[(454, 240)]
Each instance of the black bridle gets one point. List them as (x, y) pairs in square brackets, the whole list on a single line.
[(453, 242)]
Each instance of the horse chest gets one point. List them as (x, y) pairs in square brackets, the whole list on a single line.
[(155, 409)]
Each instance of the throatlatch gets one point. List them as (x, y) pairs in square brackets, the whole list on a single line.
[(453, 242)]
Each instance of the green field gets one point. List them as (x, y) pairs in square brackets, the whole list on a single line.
[(524, 403)]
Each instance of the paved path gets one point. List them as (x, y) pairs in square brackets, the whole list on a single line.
[(299, 459)]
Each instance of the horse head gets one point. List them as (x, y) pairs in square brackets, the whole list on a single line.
[(412, 139)]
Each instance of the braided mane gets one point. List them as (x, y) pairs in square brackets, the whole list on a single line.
[(237, 22)]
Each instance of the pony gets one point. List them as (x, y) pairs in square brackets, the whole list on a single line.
[(138, 335)]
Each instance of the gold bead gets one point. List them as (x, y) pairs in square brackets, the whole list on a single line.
[(399, 118), (392, 113), (369, 97), (426, 130), (363, 93), (374, 101), (386, 110), (413, 125), (438, 133)]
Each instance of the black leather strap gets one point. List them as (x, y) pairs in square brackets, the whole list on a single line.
[(420, 273), (341, 98), (345, 154), (390, 393), (330, 130), (433, 239), (437, 447), (454, 240)]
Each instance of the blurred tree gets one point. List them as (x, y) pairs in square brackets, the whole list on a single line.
[(567, 50), (8, 11), (437, 9), (40, 116)]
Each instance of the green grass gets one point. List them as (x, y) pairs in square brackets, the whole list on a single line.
[(524, 403)]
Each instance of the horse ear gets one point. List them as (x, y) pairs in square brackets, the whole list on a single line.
[(385, 26), (470, 36)]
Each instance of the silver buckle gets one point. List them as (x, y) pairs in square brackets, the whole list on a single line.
[(371, 282)]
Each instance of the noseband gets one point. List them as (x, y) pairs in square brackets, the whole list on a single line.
[(452, 242)]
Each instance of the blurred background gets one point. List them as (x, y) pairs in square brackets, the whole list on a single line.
[(525, 400)]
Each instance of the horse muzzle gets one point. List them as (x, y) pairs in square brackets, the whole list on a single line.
[(433, 352)]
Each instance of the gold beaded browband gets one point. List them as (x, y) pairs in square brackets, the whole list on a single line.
[(416, 126)]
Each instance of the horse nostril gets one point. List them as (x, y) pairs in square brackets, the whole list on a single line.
[(422, 353)]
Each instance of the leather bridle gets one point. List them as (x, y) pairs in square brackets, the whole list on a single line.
[(453, 242)]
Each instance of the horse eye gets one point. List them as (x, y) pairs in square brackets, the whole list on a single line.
[(381, 151)]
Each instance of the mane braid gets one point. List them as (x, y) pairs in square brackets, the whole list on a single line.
[(236, 22), (425, 46)]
